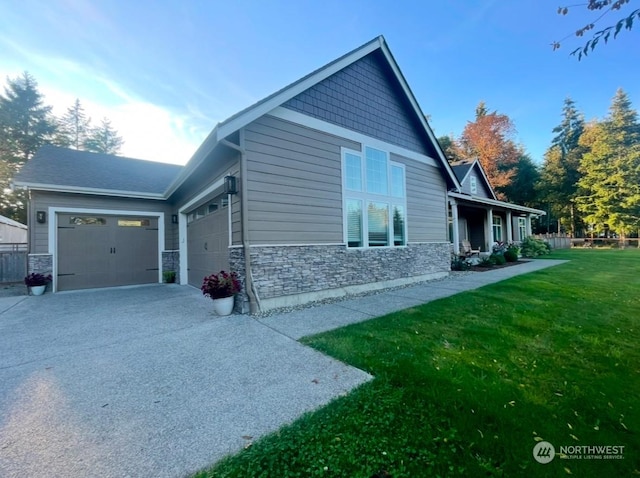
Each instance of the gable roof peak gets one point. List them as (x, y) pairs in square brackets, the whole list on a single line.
[(237, 121)]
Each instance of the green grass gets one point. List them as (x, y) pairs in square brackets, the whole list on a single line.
[(466, 386)]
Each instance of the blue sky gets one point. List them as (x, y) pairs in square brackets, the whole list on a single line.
[(165, 72)]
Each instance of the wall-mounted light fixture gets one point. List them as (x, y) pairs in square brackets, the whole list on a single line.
[(174, 219), (41, 217), (230, 185)]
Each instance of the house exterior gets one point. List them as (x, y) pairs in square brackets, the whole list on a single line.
[(332, 185), (476, 215)]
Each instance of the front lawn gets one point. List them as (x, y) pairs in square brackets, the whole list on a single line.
[(469, 384)]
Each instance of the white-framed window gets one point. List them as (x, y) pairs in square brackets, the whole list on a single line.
[(374, 199), (497, 228), (522, 228), (473, 184)]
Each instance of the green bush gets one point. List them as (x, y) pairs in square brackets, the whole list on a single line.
[(510, 255), (532, 247), (498, 259), (459, 264), (486, 262)]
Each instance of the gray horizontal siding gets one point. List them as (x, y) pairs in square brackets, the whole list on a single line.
[(42, 200), (426, 201), (295, 184)]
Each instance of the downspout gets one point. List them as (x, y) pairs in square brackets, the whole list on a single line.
[(254, 301)]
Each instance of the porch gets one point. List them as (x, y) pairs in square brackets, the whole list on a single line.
[(484, 221)]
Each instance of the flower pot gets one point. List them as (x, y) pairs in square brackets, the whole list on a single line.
[(223, 306), (38, 289)]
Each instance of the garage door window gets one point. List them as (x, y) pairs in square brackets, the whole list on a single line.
[(133, 222), (87, 221)]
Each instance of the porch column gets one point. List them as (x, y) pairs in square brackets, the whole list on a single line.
[(489, 230), (528, 225), (455, 227), (509, 228)]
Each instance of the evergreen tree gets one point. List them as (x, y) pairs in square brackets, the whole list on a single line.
[(25, 125), (448, 146), (610, 183), (73, 127), (521, 189), (25, 122), (558, 184), (104, 139)]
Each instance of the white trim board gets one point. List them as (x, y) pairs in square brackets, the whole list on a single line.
[(92, 191), (335, 130), (53, 232)]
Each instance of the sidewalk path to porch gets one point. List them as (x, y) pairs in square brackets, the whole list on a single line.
[(321, 318)]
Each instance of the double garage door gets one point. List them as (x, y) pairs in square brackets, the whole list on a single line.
[(106, 251)]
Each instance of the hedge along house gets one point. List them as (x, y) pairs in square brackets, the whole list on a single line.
[(332, 185), (476, 215)]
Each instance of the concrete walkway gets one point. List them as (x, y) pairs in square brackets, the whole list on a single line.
[(146, 381), (322, 318)]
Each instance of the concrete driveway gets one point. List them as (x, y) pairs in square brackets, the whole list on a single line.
[(145, 381)]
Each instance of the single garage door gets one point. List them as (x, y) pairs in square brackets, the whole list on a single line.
[(106, 251), (207, 242)]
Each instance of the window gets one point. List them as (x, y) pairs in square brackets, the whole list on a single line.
[(497, 229), (206, 209), (522, 228), (473, 184), (87, 221), (133, 222), (354, 223), (374, 199)]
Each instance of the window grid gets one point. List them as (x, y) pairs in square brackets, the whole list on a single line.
[(375, 215), (497, 229)]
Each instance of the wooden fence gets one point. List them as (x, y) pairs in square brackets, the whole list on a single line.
[(556, 241), (13, 262)]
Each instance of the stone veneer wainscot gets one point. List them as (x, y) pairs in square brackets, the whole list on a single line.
[(293, 275)]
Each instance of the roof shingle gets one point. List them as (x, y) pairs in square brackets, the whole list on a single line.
[(56, 166)]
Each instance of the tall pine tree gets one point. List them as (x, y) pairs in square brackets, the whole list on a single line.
[(104, 139), (610, 183), (73, 127), (558, 184), (26, 124)]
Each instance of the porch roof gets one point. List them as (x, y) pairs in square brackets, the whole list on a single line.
[(477, 201)]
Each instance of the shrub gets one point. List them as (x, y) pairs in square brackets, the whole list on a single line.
[(532, 247), (169, 276), (511, 255), (499, 247), (486, 262), (459, 264), (498, 259)]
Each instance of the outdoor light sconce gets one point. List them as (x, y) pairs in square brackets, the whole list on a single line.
[(41, 217), (230, 185), (174, 219)]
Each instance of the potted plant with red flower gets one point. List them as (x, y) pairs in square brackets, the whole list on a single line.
[(222, 288), (37, 283)]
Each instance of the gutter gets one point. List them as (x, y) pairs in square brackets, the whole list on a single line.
[(254, 301)]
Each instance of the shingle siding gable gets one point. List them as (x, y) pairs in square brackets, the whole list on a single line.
[(366, 98)]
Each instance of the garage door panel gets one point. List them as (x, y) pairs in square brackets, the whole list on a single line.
[(207, 246), (98, 251)]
